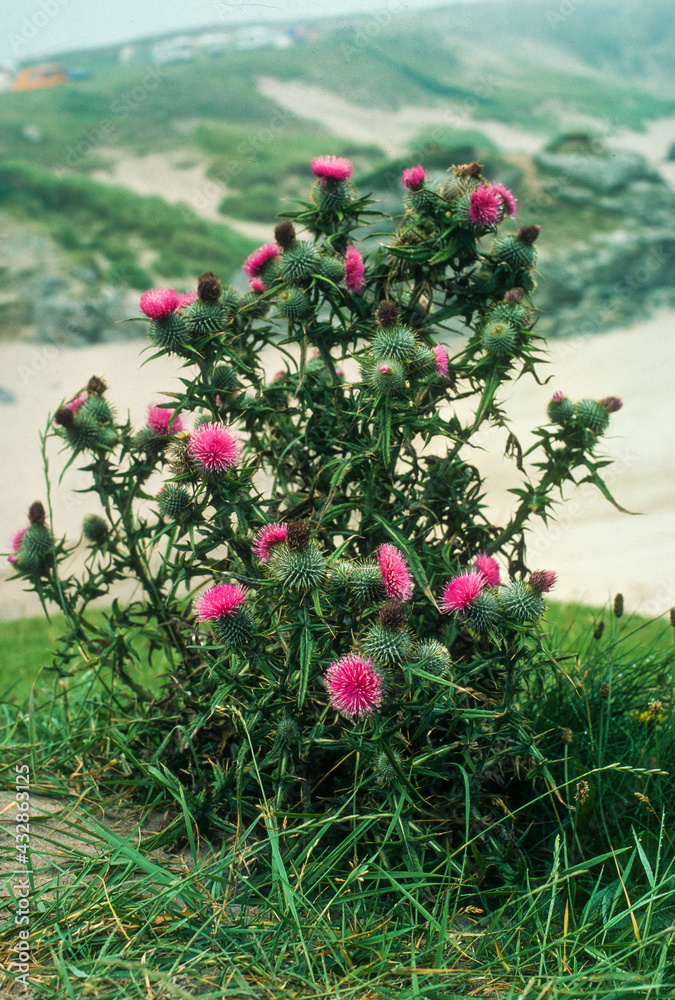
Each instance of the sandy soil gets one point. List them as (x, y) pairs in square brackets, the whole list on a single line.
[(393, 130), (595, 549), (390, 130), (169, 177)]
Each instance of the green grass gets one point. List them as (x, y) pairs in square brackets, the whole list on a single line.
[(250, 917)]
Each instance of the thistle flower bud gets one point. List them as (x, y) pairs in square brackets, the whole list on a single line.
[(521, 602), (517, 253), (298, 262), (528, 234), (388, 377), (433, 657), (297, 535), (484, 612), (592, 415), (284, 234), (387, 313), (498, 339), (390, 646), (64, 417), (36, 513), (397, 343), (224, 379), (618, 606), (97, 407), (298, 570), (94, 528), (96, 386), (473, 169), (542, 580), (171, 331), (560, 409), (174, 502), (332, 268), (392, 614), (366, 583), (293, 304), (611, 404), (204, 317), (208, 287), (287, 731), (36, 544), (385, 770), (235, 630)]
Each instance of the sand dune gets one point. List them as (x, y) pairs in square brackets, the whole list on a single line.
[(595, 549)]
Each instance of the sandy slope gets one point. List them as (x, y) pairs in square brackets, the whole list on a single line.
[(595, 549)]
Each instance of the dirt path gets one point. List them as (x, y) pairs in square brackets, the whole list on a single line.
[(595, 549)]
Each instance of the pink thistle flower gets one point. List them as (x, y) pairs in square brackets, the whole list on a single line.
[(186, 299), (543, 580), (159, 302), (611, 403), (414, 177), (332, 168), (462, 591), (257, 285), (16, 543), (509, 203), (557, 396), (266, 538), (441, 356), (256, 261), (485, 207), (214, 448), (489, 567), (398, 582), (76, 403), (159, 418), (354, 270), (219, 601), (354, 686)]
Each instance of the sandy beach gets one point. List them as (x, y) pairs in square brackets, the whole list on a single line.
[(595, 549)]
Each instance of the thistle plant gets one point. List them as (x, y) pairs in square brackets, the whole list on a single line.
[(313, 563)]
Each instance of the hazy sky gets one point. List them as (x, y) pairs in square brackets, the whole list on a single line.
[(39, 29)]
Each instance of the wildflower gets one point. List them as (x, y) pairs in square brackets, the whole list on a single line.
[(219, 601), (485, 207), (543, 580), (462, 591), (157, 303), (396, 576), (557, 396), (159, 418), (255, 262), (354, 686), (332, 168), (441, 356), (266, 538), (354, 270), (413, 178), (611, 403), (186, 299), (16, 543), (509, 203), (514, 295), (214, 448), (76, 403), (489, 567), (257, 285), (209, 288), (528, 234)]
